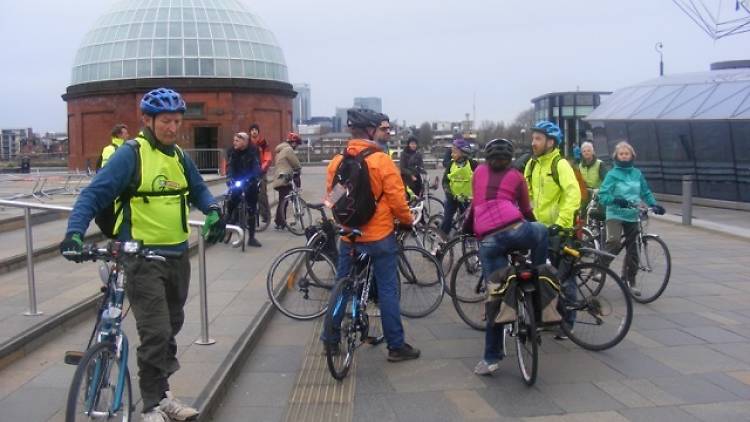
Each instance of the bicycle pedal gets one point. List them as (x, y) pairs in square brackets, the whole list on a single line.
[(73, 357)]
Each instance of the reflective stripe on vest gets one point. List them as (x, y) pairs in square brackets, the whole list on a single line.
[(459, 179), (159, 207)]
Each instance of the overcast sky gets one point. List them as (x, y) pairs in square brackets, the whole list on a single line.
[(425, 58)]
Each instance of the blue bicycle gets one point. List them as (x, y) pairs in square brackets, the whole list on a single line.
[(101, 387)]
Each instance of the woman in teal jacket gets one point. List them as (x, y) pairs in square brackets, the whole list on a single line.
[(623, 189)]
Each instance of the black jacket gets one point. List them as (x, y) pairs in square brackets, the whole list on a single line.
[(411, 163), (243, 165)]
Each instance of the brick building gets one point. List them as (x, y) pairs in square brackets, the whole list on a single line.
[(219, 55)]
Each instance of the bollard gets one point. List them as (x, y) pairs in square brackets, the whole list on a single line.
[(687, 200), (30, 265), (204, 340)]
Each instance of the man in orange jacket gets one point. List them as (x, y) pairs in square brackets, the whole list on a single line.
[(378, 239), (265, 158)]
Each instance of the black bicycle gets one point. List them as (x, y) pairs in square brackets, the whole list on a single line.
[(653, 264)]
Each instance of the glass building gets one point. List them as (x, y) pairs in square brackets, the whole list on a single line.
[(220, 56), (695, 124), (178, 38), (567, 110)]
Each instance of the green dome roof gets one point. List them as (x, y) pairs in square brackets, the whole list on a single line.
[(140, 39)]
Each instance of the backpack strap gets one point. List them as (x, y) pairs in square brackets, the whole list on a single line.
[(555, 172), (361, 159)]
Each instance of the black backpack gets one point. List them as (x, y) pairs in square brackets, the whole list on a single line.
[(107, 217), (357, 204)]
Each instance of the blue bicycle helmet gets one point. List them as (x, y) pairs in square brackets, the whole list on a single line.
[(162, 100), (463, 145), (549, 129)]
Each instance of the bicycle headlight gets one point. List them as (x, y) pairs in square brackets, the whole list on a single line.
[(130, 246), (237, 184)]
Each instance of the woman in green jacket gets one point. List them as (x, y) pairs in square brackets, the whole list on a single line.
[(623, 189)]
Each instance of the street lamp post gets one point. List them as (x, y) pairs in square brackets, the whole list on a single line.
[(659, 47)]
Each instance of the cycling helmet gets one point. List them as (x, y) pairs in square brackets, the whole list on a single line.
[(162, 100), (549, 129), (499, 148), (462, 145), (363, 118), (293, 138)]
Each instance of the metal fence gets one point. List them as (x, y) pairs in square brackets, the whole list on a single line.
[(207, 160)]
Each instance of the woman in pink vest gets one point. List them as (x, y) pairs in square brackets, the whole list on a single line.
[(502, 220)]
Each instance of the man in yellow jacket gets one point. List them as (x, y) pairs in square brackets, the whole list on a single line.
[(377, 239), (554, 190), (119, 136)]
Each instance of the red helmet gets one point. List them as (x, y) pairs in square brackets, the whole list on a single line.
[(293, 137)]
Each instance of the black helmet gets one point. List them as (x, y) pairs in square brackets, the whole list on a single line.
[(363, 118), (499, 148)]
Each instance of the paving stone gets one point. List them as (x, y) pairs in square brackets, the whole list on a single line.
[(471, 405), (716, 335), (649, 390), (689, 319), (423, 406), (454, 331), (372, 381), (34, 404), (713, 412), (696, 359), (430, 375), (729, 383), (661, 414), (374, 408), (249, 413), (671, 337), (633, 363), (275, 359), (624, 394), (693, 389), (652, 322), (580, 417), (56, 376), (574, 367), (739, 351), (581, 397), (261, 389)]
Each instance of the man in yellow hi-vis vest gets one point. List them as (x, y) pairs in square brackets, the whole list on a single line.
[(153, 180)]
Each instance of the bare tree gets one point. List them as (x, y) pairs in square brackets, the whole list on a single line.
[(424, 135)]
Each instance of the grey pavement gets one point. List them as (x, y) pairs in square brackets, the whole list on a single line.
[(686, 358)]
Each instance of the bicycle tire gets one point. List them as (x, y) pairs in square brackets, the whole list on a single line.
[(300, 221), (339, 364), (604, 295), (653, 240), (526, 335), (82, 378), (434, 206), (309, 290), (423, 290), (242, 220), (469, 297)]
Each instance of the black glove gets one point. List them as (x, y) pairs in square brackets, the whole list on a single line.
[(214, 228), (404, 227), (621, 202), (658, 209), (72, 247), (553, 230)]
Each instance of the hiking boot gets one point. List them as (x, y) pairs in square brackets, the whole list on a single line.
[(176, 409), (155, 415), (405, 352), (486, 368), (251, 241)]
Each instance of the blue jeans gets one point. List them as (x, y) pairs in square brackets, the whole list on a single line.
[(451, 206), (383, 254), (493, 253)]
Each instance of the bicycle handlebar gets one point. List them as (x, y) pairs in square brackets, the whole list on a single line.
[(116, 249)]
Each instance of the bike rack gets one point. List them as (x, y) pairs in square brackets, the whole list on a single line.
[(33, 311)]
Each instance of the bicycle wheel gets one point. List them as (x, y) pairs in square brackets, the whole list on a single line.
[(654, 269), (422, 282), (601, 307), (242, 220), (262, 217), (469, 291), (93, 392), (527, 342), (340, 354), (297, 216), (299, 283), (456, 248)]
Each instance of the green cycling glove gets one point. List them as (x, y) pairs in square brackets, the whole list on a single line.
[(214, 227)]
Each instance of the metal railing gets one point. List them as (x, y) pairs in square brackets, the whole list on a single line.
[(44, 185), (33, 311), (207, 159)]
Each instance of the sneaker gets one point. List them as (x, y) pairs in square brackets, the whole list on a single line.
[(560, 335), (405, 352), (176, 409), (155, 415), (278, 228), (486, 368), (251, 241)]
